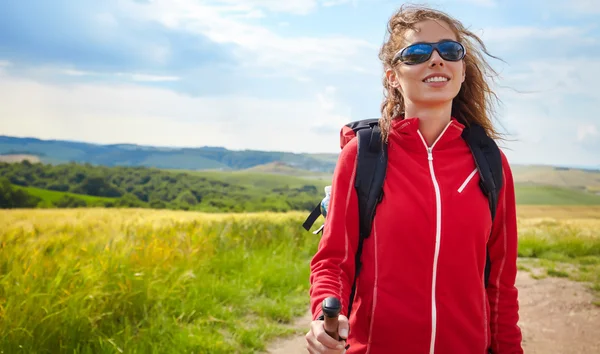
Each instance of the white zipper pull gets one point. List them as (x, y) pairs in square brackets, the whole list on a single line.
[(429, 154)]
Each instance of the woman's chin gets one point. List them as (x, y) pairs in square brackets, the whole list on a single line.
[(435, 99)]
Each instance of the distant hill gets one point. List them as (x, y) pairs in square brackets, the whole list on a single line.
[(19, 157), (72, 185), (79, 185), (282, 168), (574, 178), (200, 158), (245, 162)]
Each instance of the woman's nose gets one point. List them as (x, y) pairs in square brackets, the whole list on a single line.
[(436, 59)]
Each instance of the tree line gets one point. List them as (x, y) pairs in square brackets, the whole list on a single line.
[(144, 187)]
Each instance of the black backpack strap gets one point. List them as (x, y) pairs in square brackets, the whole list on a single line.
[(489, 164), (370, 174), (370, 125), (312, 217)]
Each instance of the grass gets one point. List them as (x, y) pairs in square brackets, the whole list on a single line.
[(49, 197), (144, 281), (555, 176), (280, 168), (263, 180), (565, 241), (149, 281), (551, 195)]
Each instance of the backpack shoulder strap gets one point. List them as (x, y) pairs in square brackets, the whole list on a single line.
[(489, 164), (370, 174), (349, 131)]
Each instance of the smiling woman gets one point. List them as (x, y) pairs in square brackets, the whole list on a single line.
[(466, 87), (436, 271)]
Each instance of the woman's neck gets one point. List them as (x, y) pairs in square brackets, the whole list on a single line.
[(432, 120)]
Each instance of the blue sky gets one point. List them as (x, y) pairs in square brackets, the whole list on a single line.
[(279, 75)]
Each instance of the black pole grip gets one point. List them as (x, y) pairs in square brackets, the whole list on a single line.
[(331, 307)]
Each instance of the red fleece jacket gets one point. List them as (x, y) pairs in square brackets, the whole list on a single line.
[(421, 288)]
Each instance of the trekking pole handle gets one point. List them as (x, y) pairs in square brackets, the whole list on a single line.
[(331, 307)]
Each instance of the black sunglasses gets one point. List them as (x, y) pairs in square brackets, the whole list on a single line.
[(421, 52)]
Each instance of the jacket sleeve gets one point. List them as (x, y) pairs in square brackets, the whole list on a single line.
[(332, 267), (502, 292)]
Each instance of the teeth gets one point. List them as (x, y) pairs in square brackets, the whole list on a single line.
[(436, 79)]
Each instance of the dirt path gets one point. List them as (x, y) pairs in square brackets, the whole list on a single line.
[(557, 317)]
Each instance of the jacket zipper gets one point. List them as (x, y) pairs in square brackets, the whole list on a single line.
[(438, 234)]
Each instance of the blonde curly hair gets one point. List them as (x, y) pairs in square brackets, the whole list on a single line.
[(474, 102)]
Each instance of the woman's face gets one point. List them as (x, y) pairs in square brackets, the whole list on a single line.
[(414, 81)]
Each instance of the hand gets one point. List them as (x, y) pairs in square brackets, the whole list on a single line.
[(319, 342)]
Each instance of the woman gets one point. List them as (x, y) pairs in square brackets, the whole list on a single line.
[(421, 288)]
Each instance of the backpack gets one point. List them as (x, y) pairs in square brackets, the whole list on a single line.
[(371, 169)]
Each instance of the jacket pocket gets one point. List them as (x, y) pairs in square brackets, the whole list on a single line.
[(467, 180)]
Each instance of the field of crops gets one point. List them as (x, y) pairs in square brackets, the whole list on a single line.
[(143, 281), (158, 281), (561, 241)]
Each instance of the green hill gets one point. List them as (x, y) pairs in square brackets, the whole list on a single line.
[(76, 185), (576, 178), (201, 158), (54, 198), (281, 168), (209, 191), (551, 195), (315, 166)]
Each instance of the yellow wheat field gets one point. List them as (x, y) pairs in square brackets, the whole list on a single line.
[(160, 281)]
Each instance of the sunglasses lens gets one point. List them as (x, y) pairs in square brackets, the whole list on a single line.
[(421, 52), (451, 51), (417, 53)]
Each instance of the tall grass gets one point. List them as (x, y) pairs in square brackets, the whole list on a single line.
[(142, 281), (565, 240), (566, 232), (147, 281)]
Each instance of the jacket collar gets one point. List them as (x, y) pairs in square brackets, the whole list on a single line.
[(405, 131)]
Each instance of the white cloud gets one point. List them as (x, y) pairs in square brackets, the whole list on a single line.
[(106, 20), (253, 14), (152, 116), (327, 99), (297, 7), (555, 120), (585, 7), (4, 64), (551, 80), (587, 131), (542, 137), (128, 76), (330, 3), (524, 33), (256, 45), (482, 3), (336, 114), (487, 3), (149, 78)]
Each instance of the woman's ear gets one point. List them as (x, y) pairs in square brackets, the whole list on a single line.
[(392, 78), (464, 75)]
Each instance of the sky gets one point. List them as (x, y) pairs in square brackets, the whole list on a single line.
[(279, 75)]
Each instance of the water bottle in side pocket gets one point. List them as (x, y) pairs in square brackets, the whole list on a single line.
[(324, 207)]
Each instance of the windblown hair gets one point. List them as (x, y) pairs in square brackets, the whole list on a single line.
[(473, 104)]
